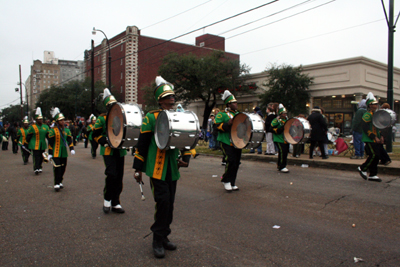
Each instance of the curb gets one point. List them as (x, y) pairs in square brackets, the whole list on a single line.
[(320, 163)]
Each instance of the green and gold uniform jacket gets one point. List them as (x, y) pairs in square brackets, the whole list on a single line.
[(59, 140), (369, 130), (224, 129), (21, 136), (89, 130), (277, 127), (37, 136), (99, 134), (152, 160)]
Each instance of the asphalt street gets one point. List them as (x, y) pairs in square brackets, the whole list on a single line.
[(307, 217)]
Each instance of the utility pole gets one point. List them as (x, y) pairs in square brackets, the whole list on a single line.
[(391, 28), (92, 75), (20, 89)]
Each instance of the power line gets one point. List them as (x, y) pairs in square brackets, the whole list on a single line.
[(273, 14), (175, 15), (207, 15), (281, 19), (315, 36), (10, 102), (179, 36), (256, 20)]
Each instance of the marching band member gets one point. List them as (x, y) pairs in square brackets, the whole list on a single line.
[(232, 155), (60, 138), (36, 138), (373, 140), (21, 139), (277, 126), (162, 166), (89, 132), (114, 160)]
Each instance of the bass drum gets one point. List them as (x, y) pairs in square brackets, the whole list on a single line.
[(123, 125), (177, 130), (297, 131), (384, 118), (247, 130)]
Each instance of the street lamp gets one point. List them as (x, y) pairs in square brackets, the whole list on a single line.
[(109, 55)]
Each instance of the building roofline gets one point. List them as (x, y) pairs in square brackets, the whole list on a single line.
[(347, 61), (341, 62)]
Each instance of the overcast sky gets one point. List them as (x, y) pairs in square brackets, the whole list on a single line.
[(335, 30)]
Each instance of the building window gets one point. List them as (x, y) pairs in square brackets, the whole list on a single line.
[(122, 47), (317, 102), (121, 88), (337, 103), (122, 61), (122, 76), (326, 103), (346, 103)]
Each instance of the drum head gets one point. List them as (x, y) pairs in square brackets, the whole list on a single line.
[(240, 131), (162, 130), (115, 125), (294, 131), (383, 118)]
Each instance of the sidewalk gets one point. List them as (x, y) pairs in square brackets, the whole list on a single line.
[(333, 162)]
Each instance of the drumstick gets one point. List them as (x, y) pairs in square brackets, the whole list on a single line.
[(141, 190)]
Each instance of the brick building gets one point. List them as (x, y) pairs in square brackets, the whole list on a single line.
[(136, 59)]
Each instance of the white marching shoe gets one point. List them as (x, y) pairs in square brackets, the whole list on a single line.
[(235, 188), (228, 187), (107, 206), (284, 170)]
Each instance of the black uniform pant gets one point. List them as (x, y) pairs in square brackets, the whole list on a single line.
[(86, 142), (59, 169), (25, 154), (14, 147), (233, 156), (298, 149), (94, 145), (164, 196), (283, 150), (384, 157), (114, 176), (320, 145), (4, 146), (373, 151), (37, 159)]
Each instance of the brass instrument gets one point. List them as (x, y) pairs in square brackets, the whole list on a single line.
[(46, 160)]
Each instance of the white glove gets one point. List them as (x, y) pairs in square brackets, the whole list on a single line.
[(49, 157), (72, 152)]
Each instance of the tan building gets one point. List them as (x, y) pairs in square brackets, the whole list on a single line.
[(336, 85), (41, 78)]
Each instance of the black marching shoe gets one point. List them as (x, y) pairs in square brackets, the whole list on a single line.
[(158, 249), (168, 245)]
